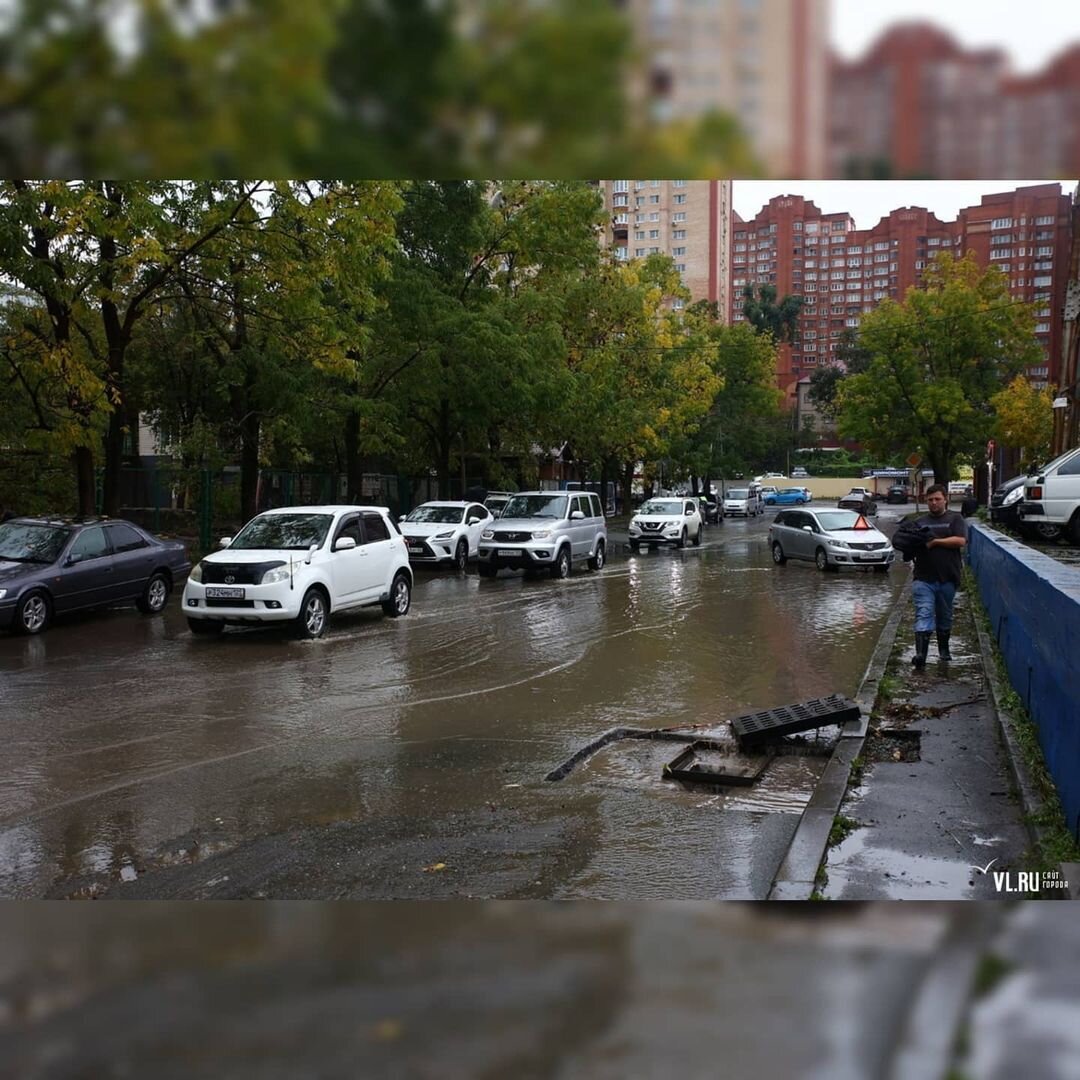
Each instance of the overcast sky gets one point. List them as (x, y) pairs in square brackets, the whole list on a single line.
[(868, 201), (1030, 31)]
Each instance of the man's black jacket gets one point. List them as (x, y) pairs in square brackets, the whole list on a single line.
[(909, 538)]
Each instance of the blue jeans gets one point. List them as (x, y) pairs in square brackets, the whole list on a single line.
[(933, 605)]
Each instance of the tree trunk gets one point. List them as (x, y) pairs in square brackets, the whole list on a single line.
[(249, 465), (628, 487), (443, 450), (83, 460), (694, 485), (352, 456)]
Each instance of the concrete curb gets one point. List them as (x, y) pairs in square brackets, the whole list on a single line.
[(795, 880), (1030, 799)]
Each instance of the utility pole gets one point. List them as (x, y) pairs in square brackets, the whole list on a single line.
[(1067, 417)]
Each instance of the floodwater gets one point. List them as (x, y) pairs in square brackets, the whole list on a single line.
[(405, 758)]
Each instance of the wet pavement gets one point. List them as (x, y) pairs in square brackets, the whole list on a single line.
[(405, 758)]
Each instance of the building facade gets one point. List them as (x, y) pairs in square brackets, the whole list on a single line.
[(765, 62), (686, 219), (843, 272)]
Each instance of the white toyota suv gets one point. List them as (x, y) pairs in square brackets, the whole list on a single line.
[(300, 564)]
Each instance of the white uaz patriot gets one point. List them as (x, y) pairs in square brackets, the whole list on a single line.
[(300, 564)]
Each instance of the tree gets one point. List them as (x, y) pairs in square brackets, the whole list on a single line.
[(1024, 418), (826, 380), (935, 362), (767, 315)]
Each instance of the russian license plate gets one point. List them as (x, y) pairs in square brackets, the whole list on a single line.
[(509, 553), (224, 594), (416, 549)]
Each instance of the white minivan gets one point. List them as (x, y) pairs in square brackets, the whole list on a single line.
[(1051, 502)]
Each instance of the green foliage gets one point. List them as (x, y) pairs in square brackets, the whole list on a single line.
[(769, 315), (1024, 419), (936, 360)]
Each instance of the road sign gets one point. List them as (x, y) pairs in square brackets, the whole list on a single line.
[(914, 460)]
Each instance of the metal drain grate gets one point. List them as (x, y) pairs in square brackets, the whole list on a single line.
[(708, 762), (757, 727)]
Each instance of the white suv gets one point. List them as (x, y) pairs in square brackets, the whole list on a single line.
[(666, 521), (443, 532), (545, 530), (1051, 503), (300, 564)]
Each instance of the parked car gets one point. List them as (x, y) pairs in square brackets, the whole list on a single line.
[(1005, 501), (441, 532), (545, 530), (767, 490), (710, 510), (743, 502), (830, 539), (52, 566), (787, 497), (300, 565), (1051, 503), (496, 500), (858, 499), (897, 495), (799, 473), (666, 521)]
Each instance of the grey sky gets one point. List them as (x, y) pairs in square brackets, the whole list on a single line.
[(870, 200), (1030, 32)]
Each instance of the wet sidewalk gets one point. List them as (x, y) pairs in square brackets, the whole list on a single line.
[(931, 811)]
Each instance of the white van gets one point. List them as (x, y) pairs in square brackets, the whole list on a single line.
[(1051, 502)]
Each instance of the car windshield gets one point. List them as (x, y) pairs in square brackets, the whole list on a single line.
[(296, 532), (738, 493), (838, 520), (536, 506), (661, 506), (31, 543), (448, 515)]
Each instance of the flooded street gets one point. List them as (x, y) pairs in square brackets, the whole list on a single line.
[(406, 758)]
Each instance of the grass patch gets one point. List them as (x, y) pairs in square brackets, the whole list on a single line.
[(991, 970), (842, 828), (1055, 843), (858, 767)]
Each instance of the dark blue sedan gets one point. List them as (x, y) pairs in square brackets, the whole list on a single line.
[(787, 497), (51, 566)]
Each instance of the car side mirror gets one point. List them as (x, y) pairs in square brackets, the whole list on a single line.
[(577, 515), (225, 541), (345, 543), (689, 513), (808, 528), (70, 560), (310, 551)]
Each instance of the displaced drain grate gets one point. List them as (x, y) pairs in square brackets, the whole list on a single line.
[(757, 727), (706, 762)]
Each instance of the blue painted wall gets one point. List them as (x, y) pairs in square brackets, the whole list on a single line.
[(1034, 606)]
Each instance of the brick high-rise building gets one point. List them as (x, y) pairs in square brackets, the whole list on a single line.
[(686, 219), (765, 62), (843, 272)]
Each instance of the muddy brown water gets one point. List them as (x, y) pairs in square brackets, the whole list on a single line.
[(405, 757)]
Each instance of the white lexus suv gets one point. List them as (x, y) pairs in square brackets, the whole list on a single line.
[(300, 564), (443, 532)]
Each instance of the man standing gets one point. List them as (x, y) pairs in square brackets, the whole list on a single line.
[(938, 569)]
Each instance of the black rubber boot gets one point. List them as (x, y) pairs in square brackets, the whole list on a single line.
[(943, 645), (922, 647)]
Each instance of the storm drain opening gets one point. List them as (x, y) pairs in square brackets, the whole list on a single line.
[(893, 745), (708, 762)]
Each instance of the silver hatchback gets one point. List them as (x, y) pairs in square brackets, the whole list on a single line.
[(829, 539), (545, 530)]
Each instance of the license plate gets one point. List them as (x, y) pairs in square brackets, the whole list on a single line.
[(509, 553), (225, 594), (416, 549)]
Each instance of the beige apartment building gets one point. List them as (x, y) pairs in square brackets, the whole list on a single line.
[(690, 220), (765, 62)]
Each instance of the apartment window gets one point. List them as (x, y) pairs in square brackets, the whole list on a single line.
[(620, 200), (654, 216), (654, 234), (654, 251), (640, 234), (852, 322), (1044, 251), (639, 253), (1045, 219), (882, 245), (681, 267), (678, 251), (681, 216), (680, 198), (740, 247), (1001, 238), (678, 305), (1042, 265), (1043, 279), (811, 288), (934, 241), (919, 264), (1000, 253), (678, 183), (854, 262), (680, 234), (1001, 223), (836, 286), (620, 253), (854, 298), (620, 185), (654, 183), (812, 226), (881, 258), (811, 275), (654, 199), (638, 218), (639, 200), (796, 226), (740, 236), (622, 219)]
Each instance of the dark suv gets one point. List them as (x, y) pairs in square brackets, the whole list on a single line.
[(55, 565)]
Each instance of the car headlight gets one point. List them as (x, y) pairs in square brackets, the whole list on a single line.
[(196, 573), (838, 544), (635, 527), (543, 534), (272, 577), (1014, 496), (3, 593), (488, 534), (443, 535)]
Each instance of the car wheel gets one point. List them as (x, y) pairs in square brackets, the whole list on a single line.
[(1045, 530), (155, 596), (486, 570), (1074, 528), (778, 555), (802, 502), (205, 627), (597, 561), (400, 596), (821, 560), (561, 567), (33, 613), (697, 537), (311, 622), (461, 554), (682, 538)]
